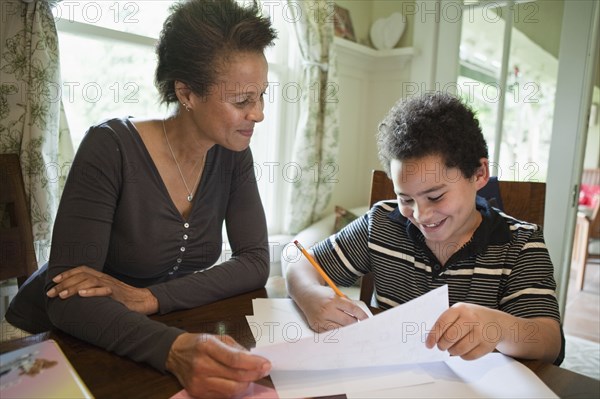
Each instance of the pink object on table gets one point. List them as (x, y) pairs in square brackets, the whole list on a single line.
[(254, 391)]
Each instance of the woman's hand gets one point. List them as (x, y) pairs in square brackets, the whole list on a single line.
[(87, 282), (210, 366), (326, 311)]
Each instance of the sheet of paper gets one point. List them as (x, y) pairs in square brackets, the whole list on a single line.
[(391, 338), (492, 376), (277, 320), (312, 383), (280, 320)]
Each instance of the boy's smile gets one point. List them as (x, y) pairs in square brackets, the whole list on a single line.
[(439, 201)]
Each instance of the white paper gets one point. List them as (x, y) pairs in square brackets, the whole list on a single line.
[(277, 320), (394, 337), (492, 376), (280, 320), (312, 383)]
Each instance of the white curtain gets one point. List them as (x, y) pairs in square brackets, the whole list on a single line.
[(32, 119), (316, 143)]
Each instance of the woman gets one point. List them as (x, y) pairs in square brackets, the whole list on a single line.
[(140, 220)]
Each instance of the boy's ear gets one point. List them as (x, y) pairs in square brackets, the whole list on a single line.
[(482, 174)]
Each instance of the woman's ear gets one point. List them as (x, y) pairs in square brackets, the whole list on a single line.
[(183, 92), (482, 174)]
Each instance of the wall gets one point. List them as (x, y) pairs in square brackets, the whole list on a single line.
[(370, 83), (365, 95)]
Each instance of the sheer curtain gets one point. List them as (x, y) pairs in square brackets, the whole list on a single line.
[(32, 120), (316, 140)]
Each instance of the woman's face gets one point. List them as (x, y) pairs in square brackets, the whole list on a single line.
[(438, 200), (227, 114)]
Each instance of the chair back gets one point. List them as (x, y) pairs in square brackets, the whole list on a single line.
[(382, 187), (17, 255), (524, 200), (595, 219), (587, 227), (521, 200), (591, 176)]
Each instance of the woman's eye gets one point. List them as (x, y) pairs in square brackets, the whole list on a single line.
[(405, 201), (439, 197)]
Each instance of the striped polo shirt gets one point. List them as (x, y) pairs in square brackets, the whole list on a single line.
[(504, 266)]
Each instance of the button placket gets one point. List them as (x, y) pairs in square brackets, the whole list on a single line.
[(182, 249)]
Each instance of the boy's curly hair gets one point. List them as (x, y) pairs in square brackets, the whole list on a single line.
[(432, 124)]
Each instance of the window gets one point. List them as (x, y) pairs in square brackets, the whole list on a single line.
[(517, 127), (107, 60), (107, 66)]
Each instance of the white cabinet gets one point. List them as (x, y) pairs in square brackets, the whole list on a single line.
[(370, 82)]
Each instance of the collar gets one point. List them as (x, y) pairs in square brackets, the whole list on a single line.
[(492, 230)]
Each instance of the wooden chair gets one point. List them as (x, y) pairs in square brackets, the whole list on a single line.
[(587, 228), (17, 255), (522, 200)]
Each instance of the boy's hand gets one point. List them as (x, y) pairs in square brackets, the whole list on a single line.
[(326, 311), (466, 330)]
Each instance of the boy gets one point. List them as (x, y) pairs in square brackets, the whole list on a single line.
[(498, 270)]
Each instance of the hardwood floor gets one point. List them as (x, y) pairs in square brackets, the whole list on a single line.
[(582, 311)]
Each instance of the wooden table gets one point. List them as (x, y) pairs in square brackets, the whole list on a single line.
[(110, 376)]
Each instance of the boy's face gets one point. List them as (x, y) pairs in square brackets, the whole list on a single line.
[(438, 200)]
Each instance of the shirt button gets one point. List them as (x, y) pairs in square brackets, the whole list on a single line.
[(175, 267), (437, 267), (182, 249), (186, 225), (185, 236), (178, 260)]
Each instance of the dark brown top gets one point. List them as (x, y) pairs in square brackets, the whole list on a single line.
[(116, 216)]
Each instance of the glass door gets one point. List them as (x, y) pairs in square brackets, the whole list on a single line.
[(533, 98), (508, 71)]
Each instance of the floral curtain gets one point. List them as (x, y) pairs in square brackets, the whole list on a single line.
[(316, 142), (32, 119)]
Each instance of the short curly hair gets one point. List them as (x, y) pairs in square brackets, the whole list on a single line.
[(198, 37), (432, 124)]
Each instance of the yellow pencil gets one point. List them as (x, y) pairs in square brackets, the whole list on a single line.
[(321, 271)]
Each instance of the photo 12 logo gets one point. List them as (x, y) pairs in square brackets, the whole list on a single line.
[(526, 92), (91, 12), (73, 92)]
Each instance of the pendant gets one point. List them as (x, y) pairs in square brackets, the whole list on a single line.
[(190, 197)]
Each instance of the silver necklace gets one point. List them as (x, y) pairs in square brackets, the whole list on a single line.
[(190, 196)]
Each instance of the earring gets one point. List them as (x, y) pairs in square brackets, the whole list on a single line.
[(187, 108)]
